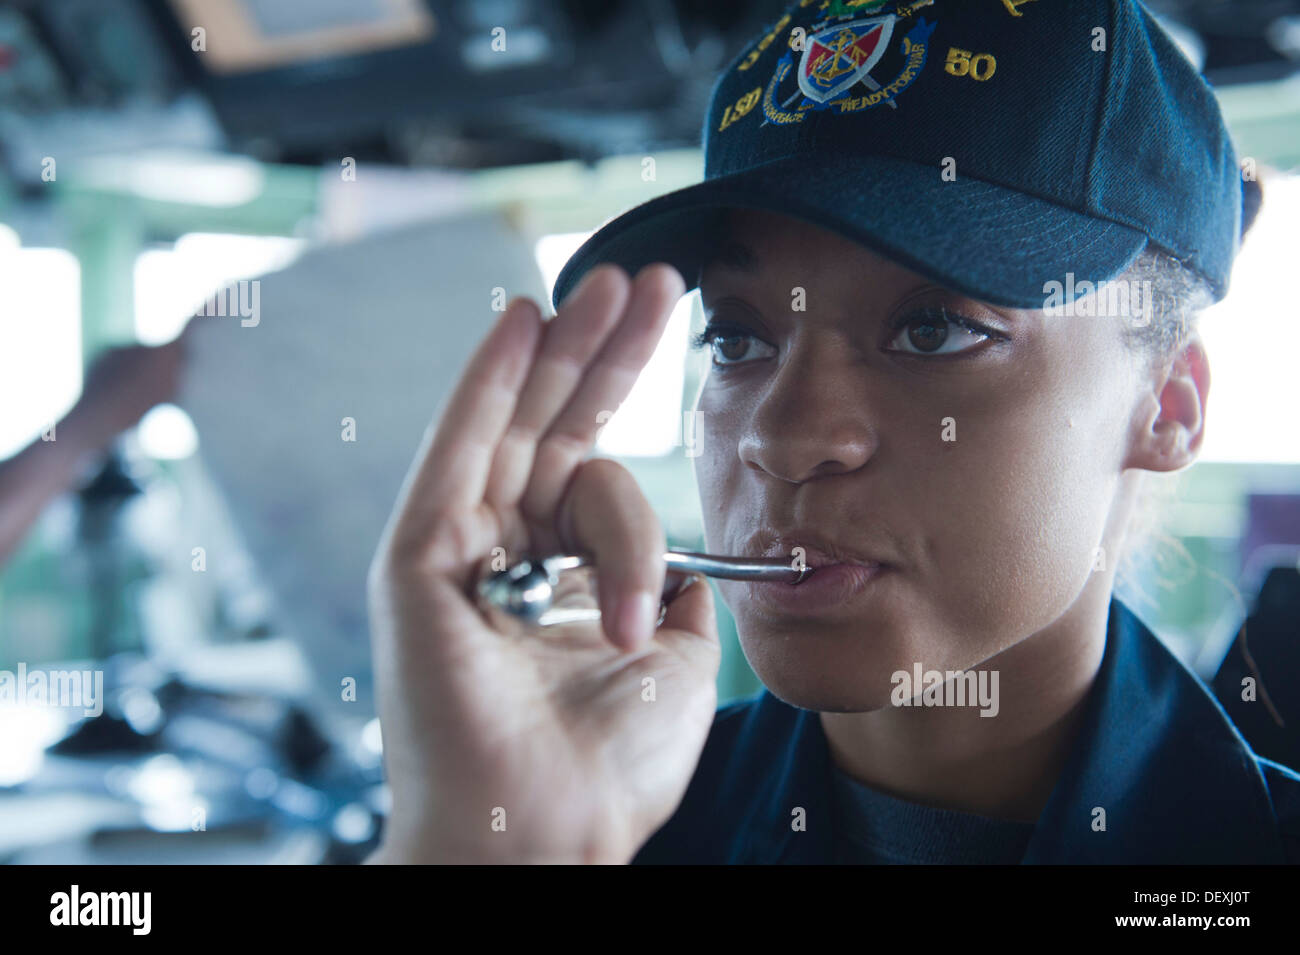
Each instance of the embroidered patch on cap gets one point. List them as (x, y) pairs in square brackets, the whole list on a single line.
[(837, 55)]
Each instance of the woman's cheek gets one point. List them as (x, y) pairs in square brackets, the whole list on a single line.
[(715, 454), (1010, 558)]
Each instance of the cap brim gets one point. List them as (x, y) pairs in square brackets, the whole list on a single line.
[(989, 242)]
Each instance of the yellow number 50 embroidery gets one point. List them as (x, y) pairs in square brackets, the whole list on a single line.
[(978, 66)]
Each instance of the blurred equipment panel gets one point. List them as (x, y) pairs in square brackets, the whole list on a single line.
[(462, 83), (29, 76), (238, 36), (112, 50)]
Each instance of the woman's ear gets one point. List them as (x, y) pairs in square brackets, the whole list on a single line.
[(1170, 426)]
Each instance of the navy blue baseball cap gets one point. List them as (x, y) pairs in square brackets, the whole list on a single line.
[(993, 146)]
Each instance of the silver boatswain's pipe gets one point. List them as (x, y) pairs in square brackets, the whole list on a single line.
[(526, 591)]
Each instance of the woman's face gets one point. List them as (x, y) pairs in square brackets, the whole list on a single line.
[(966, 474)]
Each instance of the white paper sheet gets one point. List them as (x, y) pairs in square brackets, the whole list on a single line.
[(377, 331)]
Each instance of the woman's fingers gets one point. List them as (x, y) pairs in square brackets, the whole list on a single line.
[(572, 340), (522, 418), (451, 470), (606, 382), (604, 513)]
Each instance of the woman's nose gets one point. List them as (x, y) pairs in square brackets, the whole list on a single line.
[(810, 424)]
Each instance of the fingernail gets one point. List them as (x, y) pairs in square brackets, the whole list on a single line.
[(519, 302), (636, 619), (576, 292)]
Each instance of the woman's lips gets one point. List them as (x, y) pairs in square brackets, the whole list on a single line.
[(839, 573), (825, 591)]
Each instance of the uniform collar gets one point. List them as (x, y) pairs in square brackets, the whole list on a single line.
[(1154, 751)]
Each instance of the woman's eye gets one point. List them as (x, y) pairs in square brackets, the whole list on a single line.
[(732, 346), (935, 331)]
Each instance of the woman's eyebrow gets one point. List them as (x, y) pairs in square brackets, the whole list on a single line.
[(732, 254)]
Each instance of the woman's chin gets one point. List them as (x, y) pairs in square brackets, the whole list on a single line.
[(858, 685), (825, 698), (843, 671)]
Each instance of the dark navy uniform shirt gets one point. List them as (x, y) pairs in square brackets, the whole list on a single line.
[(1155, 750)]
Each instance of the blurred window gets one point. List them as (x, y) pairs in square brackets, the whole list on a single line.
[(649, 423), (40, 339)]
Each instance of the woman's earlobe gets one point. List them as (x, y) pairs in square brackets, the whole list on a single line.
[(1173, 438)]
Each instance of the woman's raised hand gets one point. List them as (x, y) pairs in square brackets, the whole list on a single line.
[(576, 742)]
